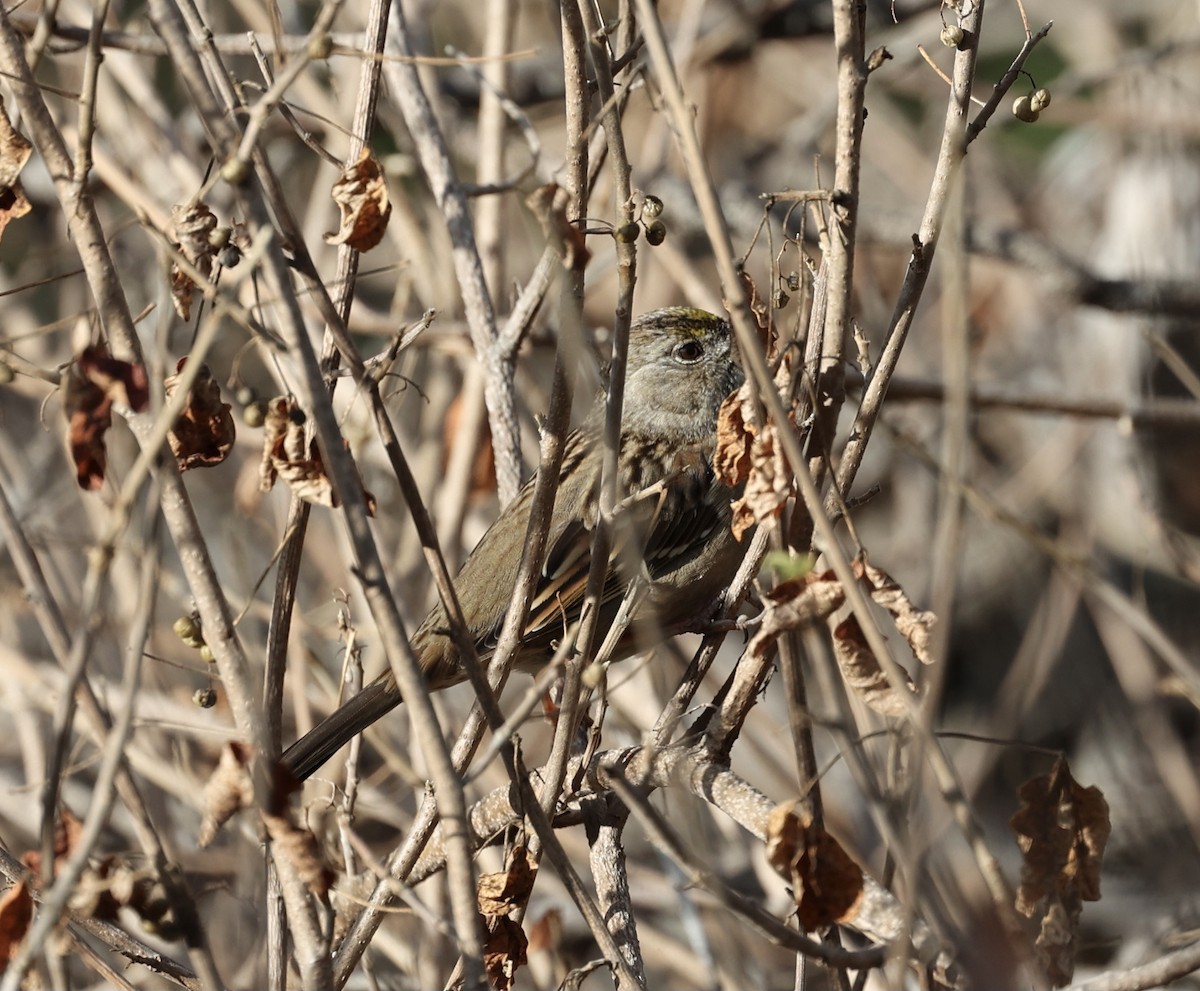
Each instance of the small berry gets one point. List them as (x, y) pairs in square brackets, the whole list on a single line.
[(255, 415), (235, 171), (656, 233), (652, 208), (1022, 109), (627, 233), (206, 698), (1039, 99), (188, 630), (952, 35)]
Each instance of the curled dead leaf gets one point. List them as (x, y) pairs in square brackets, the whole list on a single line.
[(502, 892), (14, 153), (796, 604), (731, 462), (94, 383), (498, 896), (1062, 829), (827, 884), (290, 454), (914, 624), (192, 225), (297, 848), (750, 455), (862, 671), (227, 792), (504, 951), (361, 194), (203, 434)]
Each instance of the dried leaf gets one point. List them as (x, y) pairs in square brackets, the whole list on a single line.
[(504, 951), (298, 849), (192, 225), (289, 454), (862, 672), (1062, 829), (122, 382), (502, 892), (731, 463), (93, 384), (751, 456), (14, 153), (227, 792), (16, 912), (826, 883), (796, 604), (362, 196), (758, 305), (67, 830), (203, 434), (913, 624)]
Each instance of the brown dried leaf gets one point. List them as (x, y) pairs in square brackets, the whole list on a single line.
[(750, 455), (362, 196), (15, 150), (862, 672), (504, 951), (290, 455), (93, 384), (16, 912), (227, 792), (14, 153), (121, 382), (731, 463), (191, 226), (758, 305), (1062, 829), (204, 433), (796, 604), (912, 623), (67, 830), (826, 883), (297, 848), (769, 485), (502, 892)]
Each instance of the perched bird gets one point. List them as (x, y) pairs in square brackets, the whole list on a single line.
[(676, 537)]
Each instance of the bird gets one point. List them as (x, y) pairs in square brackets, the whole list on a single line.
[(672, 532)]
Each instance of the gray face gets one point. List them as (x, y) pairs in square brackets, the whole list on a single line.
[(680, 370)]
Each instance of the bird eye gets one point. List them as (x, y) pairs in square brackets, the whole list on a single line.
[(688, 352)]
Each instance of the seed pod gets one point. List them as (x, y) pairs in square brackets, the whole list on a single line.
[(952, 35), (1039, 99), (235, 171), (1023, 110), (188, 630), (656, 233), (255, 415), (653, 207), (627, 233)]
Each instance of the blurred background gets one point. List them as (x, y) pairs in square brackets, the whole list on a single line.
[(1062, 304)]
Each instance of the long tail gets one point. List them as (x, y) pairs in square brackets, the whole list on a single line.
[(320, 743)]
